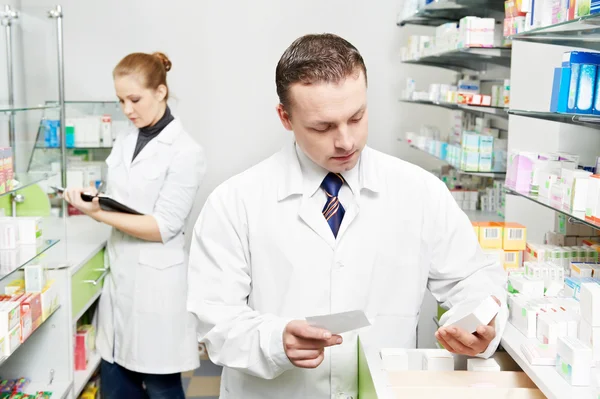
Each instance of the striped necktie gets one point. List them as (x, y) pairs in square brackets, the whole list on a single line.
[(333, 210)]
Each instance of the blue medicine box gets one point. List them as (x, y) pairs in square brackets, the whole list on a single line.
[(575, 61), (560, 90), (586, 88)]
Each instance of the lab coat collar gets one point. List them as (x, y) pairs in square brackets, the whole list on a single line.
[(167, 136), (303, 176)]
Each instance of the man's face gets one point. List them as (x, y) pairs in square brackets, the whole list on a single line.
[(329, 121)]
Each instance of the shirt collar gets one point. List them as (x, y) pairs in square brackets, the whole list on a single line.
[(313, 174)]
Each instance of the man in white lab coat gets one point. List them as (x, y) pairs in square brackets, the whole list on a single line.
[(324, 226)]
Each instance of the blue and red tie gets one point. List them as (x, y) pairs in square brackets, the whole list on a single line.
[(333, 210)]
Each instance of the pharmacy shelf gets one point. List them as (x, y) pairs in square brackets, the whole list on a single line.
[(59, 390), (441, 12), (496, 111), (577, 217), (592, 121), (580, 32), (545, 377), (44, 147), (25, 107), (460, 171), (5, 358), (83, 377), (23, 180), (86, 307), (14, 259), (471, 58), (480, 216)]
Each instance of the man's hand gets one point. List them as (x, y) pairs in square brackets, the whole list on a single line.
[(304, 345), (457, 340)]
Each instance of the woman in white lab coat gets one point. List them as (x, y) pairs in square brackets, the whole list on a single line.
[(145, 336)]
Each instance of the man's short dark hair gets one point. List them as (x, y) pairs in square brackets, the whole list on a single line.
[(322, 58)]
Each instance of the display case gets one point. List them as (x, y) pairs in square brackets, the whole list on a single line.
[(52, 266)]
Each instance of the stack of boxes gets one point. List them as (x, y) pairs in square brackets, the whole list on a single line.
[(515, 12), (470, 32), (84, 132), (465, 92), (575, 86), (20, 238), (524, 15), (483, 153), (84, 346), (466, 199), (503, 241), (27, 303)]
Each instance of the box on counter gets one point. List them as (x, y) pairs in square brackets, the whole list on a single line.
[(438, 360), (573, 361)]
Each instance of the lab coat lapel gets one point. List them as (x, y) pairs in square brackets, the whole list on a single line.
[(129, 148), (291, 183), (316, 221)]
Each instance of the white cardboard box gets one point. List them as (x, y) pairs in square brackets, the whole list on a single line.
[(471, 315), (438, 360), (590, 303), (590, 336), (476, 364), (573, 361)]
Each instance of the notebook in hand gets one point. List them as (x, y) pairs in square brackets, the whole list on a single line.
[(111, 205)]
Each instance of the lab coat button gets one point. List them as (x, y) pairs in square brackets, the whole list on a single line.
[(339, 265)]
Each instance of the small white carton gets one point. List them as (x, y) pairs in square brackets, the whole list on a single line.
[(471, 315)]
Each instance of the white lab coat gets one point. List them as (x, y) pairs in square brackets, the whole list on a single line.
[(143, 322), (263, 254)]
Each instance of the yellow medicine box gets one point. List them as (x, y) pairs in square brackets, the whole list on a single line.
[(514, 237), (490, 235), (513, 259)]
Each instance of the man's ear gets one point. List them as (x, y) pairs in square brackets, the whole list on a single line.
[(284, 117)]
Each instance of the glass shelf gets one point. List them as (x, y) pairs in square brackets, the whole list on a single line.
[(460, 171), (546, 202), (12, 260), (441, 12), (592, 121), (23, 180), (497, 111), (23, 107), (580, 32), (472, 58)]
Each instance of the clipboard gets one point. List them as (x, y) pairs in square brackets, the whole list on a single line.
[(111, 205)]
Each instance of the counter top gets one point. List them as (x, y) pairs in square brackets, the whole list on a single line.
[(545, 377), (80, 237)]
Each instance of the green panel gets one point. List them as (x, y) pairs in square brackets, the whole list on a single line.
[(36, 202), (81, 292), (366, 387), (440, 312)]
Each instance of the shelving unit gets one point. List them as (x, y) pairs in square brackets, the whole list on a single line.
[(440, 12), (496, 111), (580, 32), (15, 259), (82, 377), (528, 134), (461, 171), (592, 121), (470, 58), (578, 217)]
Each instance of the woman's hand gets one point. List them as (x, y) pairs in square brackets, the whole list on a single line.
[(73, 197)]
